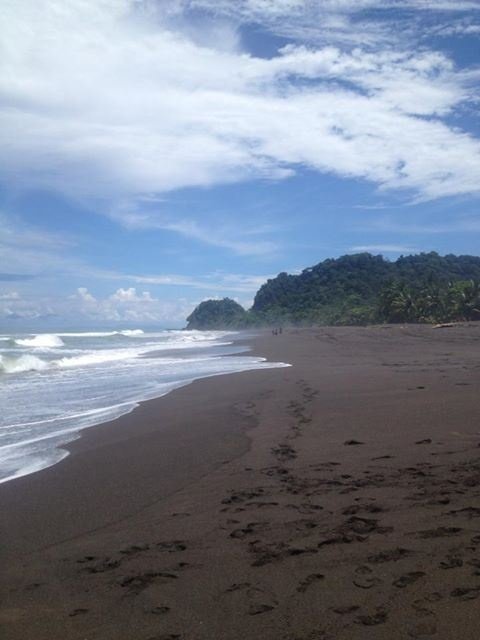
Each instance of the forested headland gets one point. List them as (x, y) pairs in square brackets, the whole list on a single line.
[(357, 289)]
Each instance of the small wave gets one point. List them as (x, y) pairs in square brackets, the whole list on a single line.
[(41, 341), (88, 334), (102, 334), (21, 364), (99, 357)]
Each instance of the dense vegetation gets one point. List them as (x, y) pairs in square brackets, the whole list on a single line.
[(359, 289), (217, 314)]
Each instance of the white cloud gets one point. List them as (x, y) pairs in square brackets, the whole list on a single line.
[(458, 28), (130, 295), (9, 295), (129, 304), (383, 248), (84, 295), (116, 99), (14, 306), (340, 21), (123, 305)]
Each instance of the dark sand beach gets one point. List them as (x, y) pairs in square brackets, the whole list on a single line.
[(335, 499)]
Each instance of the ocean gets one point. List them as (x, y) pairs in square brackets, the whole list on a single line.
[(52, 385)]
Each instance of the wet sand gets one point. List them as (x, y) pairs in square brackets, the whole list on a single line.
[(335, 499)]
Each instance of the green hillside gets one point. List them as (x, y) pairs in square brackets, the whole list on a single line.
[(359, 289)]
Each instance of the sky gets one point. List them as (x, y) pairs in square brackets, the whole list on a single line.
[(157, 153)]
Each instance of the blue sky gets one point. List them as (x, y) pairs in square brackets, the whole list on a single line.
[(157, 153)]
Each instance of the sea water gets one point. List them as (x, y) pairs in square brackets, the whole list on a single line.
[(53, 385)]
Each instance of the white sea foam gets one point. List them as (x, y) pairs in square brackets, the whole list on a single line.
[(52, 385), (131, 333), (88, 334), (20, 364), (97, 357), (9, 364), (41, 340), (25, 363)]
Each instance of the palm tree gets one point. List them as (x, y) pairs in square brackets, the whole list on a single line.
[(398, 303)]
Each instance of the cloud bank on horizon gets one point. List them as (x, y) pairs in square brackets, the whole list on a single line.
[(117, 104)]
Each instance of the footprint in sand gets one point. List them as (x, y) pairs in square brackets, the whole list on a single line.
[(171, 546), (408, 579), (256, 609), (77, 612), (258, 600), (451, 562), (440, 532), (466, 593), (242, 496), (134, 548), (390, 555), (363, 526), (136, 584), (309, 581), (343, 611), (423, 629), (364, 578), (237, 586), (284, 452), (356, 508), (470, 512), (252, 527), (371, 620), (159, 611)]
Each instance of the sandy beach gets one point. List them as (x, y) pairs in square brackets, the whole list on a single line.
[(335, 499)]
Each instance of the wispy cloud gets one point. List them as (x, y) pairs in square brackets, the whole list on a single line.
[(128, 99), (461, 224), (235, 237), (35, 254), (15, 277), (214, 282), (29, 250), (383, 248), (345, 22)]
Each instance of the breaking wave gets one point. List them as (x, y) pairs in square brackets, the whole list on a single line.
[(21, 364), (129, 333), (42, 340)]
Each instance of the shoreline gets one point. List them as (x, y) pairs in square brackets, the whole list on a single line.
[(86, 450), (72, 435), (331, 499)]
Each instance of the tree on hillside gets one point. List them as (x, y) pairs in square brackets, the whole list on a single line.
[(217, 314)]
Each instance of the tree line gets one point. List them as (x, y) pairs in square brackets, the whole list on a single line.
[(356, 290)]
